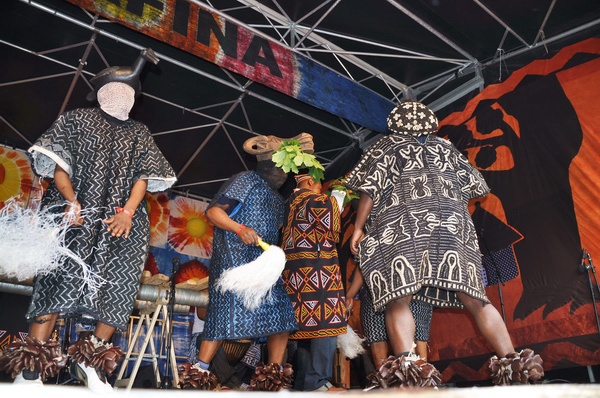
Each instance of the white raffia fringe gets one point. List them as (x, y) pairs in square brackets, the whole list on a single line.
[(252, 282), (350, 344), (32, 242)]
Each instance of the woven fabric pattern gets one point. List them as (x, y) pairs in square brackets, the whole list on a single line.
[(420, 232), (104, 157), (260, 208)]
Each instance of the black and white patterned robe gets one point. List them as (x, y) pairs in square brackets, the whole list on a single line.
[(104, 157), (420, 233)]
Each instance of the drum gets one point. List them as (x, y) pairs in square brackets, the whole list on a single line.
[(235, 350)]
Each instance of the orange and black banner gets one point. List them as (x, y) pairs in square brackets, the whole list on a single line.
[(535, 137)]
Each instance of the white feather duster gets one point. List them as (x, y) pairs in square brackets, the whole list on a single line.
[(350, 344), (32, 242), (252, 282)]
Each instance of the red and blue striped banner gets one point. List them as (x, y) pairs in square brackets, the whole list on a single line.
[(194, 29)]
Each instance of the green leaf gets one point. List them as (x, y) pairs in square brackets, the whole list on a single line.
[(338, 185), (286, 168), (303, 159), (278, 156), (316, 174), (292, 149), (291, 157), (285, 143)]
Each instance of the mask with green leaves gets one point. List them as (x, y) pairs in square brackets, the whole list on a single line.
[(291, 157)]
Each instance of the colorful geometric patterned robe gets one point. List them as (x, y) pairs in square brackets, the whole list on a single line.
[(419, 233), (312, 274), (104, 157)]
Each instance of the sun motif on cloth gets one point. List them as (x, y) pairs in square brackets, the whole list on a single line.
[(191, 271), (190, 232), (158, 213), (16, 176)]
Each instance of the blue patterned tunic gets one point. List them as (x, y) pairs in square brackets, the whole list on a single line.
[(260, 208), (419, 237)]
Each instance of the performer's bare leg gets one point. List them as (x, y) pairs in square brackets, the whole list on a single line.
[(42, 326), (208, 349), (400, 325), (421, 349), (276, 345), (490, 324), (104, 331), (380, 350), (207, 380)]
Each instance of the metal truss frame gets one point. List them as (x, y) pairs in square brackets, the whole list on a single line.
[(308, 40)]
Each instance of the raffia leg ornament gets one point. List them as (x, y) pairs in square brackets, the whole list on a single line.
[(92, 352), (373, 380), (406, 371), (517, 368), (272, 377), (45, 358), (193, 377)]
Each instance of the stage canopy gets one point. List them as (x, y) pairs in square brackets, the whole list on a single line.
[(232, 69), (514, 83)]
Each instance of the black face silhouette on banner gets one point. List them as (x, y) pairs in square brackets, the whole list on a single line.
[(528, 170)]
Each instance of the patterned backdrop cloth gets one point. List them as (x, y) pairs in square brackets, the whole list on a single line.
[(16, 177), (190, 232), (158, 212), (103, 157), (420, 232)]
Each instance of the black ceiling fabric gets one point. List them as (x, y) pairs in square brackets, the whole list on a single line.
[(439, 52)]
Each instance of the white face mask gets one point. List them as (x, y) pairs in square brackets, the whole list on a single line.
[(116, 99)]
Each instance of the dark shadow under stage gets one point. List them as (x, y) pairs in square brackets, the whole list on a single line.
[(530, 391)]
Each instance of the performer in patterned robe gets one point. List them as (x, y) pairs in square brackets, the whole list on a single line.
[(246, 208), (254, 206), (102, 163), (105, 157), (373, 323), (413, 232), (313, 281)]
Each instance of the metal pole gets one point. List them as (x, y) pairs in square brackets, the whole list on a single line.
[(590, 266), (184, 297)]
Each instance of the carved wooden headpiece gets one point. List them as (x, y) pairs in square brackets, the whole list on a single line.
[(263, 146)]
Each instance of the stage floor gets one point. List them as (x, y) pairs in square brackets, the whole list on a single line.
[(8, 390)]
